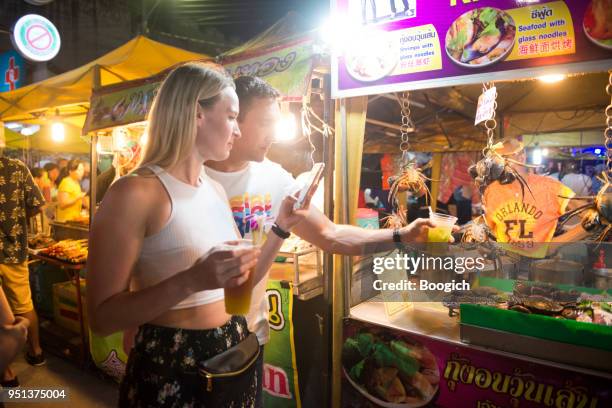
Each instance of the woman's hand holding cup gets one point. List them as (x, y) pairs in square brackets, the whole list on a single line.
[(225, 266)]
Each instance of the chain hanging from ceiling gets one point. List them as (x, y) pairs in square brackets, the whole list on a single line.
[(407, 125), (490, 124), (608, 131)]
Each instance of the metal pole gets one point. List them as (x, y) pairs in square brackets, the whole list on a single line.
[(144, 17), (345, 199), (328, 260), (93, 174)]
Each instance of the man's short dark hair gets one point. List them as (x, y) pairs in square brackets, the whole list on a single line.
[(249, 88)]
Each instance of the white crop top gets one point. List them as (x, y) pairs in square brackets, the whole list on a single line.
[(199, 220)]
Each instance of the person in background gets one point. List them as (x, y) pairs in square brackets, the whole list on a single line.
[(596, 180), (43, 182), (13, 336), (463, 200), (62, 163), (555, 170), (85, 181), (70, 198), (580, 184), (53, 173), (531, 229), (124, 162), (22, 200)]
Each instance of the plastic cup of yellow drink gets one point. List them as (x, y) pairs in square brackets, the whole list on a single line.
[(443, 229), (238, 298)]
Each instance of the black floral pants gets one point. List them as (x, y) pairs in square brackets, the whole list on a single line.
[(162, 368)]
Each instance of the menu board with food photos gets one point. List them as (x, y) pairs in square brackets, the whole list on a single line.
[(393, 45), (385, 367)]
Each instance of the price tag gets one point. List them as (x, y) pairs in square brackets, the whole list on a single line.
[(395, 300), (486, 106)]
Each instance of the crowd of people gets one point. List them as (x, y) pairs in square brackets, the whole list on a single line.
[(584, 180), (65, 187)]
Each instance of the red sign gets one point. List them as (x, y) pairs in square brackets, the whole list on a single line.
[(11, 75)]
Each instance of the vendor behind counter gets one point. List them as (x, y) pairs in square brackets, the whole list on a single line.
[(71, 199)]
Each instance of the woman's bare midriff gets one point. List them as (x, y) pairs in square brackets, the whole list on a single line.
[(201, 317)]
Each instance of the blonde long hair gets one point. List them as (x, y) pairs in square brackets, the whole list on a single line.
[(172, 119)]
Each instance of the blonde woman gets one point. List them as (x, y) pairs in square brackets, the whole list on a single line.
[(150, 263)]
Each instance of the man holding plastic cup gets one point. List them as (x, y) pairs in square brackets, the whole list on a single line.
[(254, 184)]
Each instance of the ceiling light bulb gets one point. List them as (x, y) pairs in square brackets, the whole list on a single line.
[(286, 128), (537, 156), (58, 132)]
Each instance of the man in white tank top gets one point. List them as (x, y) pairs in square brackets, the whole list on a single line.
[(254, 184)]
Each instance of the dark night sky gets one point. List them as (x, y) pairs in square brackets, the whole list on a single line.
[(92, 28), (235, 18)]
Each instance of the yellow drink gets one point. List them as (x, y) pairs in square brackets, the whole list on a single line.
[(439, 234), (238, 299)]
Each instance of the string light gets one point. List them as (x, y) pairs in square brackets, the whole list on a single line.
[(552, 78)]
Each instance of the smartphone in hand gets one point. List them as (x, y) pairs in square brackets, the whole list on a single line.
[(312, 182)]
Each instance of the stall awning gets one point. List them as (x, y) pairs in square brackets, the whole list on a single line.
[(69, 93), (282, 55)]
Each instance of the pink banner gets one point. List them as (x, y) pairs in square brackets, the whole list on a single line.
[(461, 376)]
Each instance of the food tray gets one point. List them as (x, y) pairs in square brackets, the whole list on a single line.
[(543, 349), (591, 335)]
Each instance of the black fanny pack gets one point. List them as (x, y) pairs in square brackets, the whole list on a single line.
[(225, 373), (233, 362)]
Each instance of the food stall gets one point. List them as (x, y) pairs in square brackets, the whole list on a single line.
[(63, 102), (394, 349)]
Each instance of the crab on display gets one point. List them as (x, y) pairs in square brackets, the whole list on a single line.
[(497, 166), (476, 232), (597, 213)]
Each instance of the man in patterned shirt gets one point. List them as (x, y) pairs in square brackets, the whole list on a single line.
[(20, 199)]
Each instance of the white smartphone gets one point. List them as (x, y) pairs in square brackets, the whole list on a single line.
[(312, 182)]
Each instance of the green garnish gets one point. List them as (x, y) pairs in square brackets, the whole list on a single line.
[(488, 16), (490, 30), (357, 370)]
